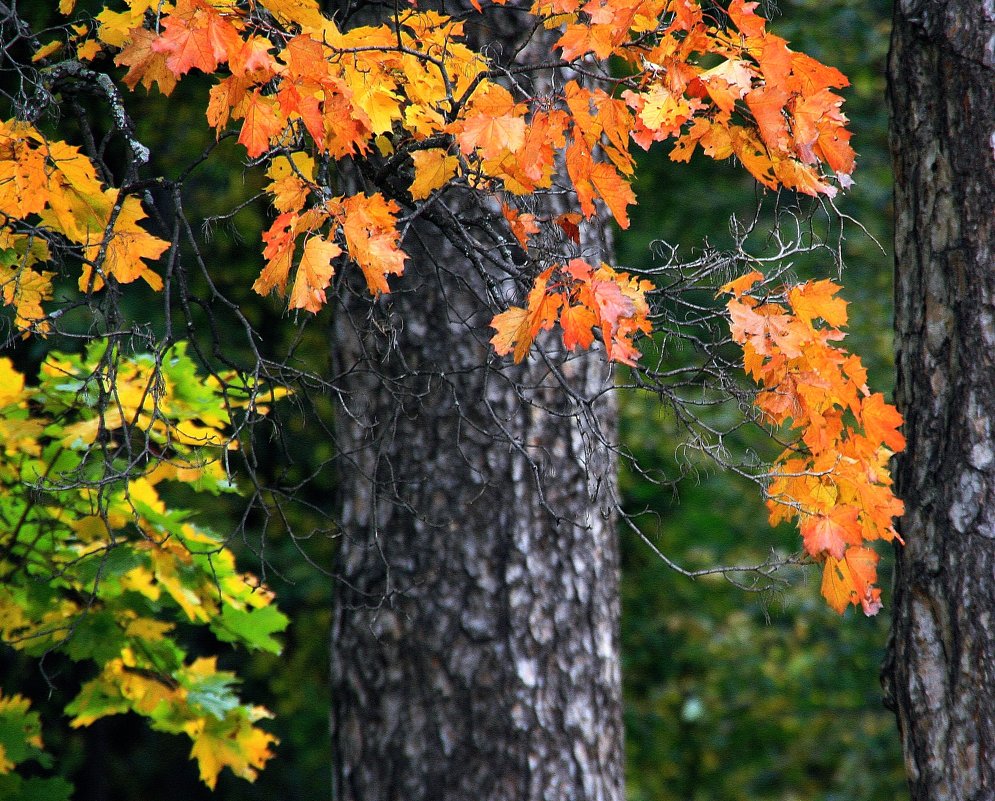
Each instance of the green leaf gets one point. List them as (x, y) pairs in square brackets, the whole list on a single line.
[(214, 693), (16, 788), (20, 730), (252, 628), (96, 635)]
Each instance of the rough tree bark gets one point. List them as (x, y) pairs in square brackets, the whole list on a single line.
[(940, 676), (475, 637)]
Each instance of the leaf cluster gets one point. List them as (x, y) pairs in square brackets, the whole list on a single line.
[(96, 566)]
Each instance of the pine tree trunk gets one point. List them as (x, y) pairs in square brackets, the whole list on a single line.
[(940, 674), (475, 634)]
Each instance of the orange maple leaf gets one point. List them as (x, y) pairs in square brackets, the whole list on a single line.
[(517, 328), (830, 533), (145, 65), (195, 35), (262, 123), (614, 190), (818, 299), (578, 323), (738, 286), (493, 124), (522, 225), (881, 421), (371, 235), (313, 274), (279, 252), (835, 479), (582, 38)]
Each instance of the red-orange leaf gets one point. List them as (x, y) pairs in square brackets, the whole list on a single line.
[(262, 122), (614, 190), (578, 326), (831, 533), (145, 65), (863, 573), (371, 235), (195, 35)]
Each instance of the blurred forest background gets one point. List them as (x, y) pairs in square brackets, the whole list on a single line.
[(730, 695)]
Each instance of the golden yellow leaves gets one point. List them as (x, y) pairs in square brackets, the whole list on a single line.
[(122, 255), (433, 170), (835, 479), (57, 185), (237, 745), (367, 226), (226, 740), (25, 290)]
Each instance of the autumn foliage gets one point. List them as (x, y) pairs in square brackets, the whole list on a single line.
[(301, 93), (300, 90), (834, 480)]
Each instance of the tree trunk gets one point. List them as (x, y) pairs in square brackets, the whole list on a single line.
[(475, 634), (940, 675)]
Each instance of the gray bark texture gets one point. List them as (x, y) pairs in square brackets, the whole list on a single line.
[(940, 674), (475, 633)]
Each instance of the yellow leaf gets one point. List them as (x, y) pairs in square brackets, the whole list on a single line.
[(837, 584), (89, 50), (46, 50), (663, 110), (145, 628), (379, 103), (300, 164), (116, 27), (21, 436), (244, 750), (81, 435), (289, 180), (557, 20), (129, 244), (305, 13), (433, 169), (25, 290)]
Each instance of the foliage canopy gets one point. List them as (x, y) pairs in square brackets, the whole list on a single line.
[(360, 129)]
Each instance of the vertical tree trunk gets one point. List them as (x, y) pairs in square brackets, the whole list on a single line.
[(475, 637), (940, 675)]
